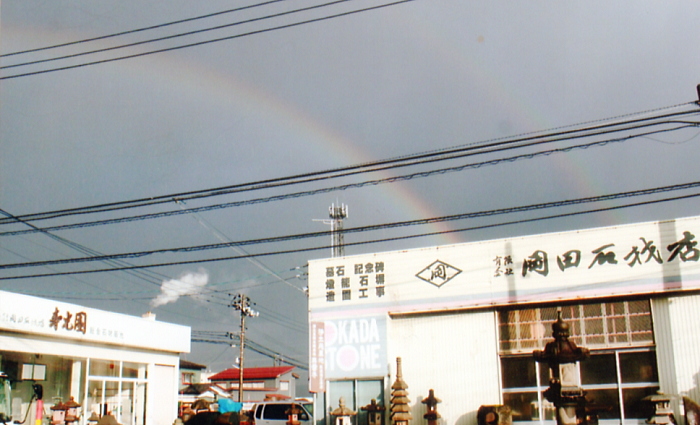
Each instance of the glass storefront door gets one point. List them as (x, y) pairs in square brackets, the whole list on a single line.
[(356, 393), (118, 389)]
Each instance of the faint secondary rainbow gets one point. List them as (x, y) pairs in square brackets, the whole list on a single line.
[(498, 90)]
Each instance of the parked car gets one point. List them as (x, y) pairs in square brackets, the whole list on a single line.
[(275, 412)]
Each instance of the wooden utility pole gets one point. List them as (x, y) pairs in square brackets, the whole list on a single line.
[(242, 304)]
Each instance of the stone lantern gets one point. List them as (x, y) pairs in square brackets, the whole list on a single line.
[(58, 413), (374, 413), (400, 410), (73, 413), (561, 356), (431, 403), (343, 415), (93, 419), (663, 414), (293, 415)]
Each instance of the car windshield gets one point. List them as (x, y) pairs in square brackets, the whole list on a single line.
[(309, 408)]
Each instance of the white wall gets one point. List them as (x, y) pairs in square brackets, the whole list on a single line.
[(161, 401), (455, 355), (678, 346)]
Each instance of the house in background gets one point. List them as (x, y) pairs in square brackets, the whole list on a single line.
[(193, 385), (259, 383), (191, 373), (197, 397)]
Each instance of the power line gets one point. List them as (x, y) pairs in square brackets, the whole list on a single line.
[(210, 291), (493, 145), (154, 278), (287, 238), (200, 43), (316, 248), (152, 27), (253, 346), (223, 238), (169, 37), (268, 314), (144, 275), (488, 146), (375, 182), (217, 337)]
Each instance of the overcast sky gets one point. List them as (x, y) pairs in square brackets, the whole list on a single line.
[(412, 77)]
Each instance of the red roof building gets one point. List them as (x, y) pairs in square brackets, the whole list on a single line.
[(259, 383)]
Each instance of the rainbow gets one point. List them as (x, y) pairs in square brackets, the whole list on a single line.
[(167, 72)]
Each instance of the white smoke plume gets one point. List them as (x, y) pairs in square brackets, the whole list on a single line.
[(189, 283)]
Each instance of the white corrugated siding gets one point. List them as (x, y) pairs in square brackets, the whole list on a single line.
[(678, 345), (455, 355)]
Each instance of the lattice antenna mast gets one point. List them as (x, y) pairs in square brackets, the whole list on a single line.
[(337, 214)]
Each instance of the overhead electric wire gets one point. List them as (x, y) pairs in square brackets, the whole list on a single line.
[(152, 27), (223, 190), (145, 275), (366, 228), (142, 274), (337, 172), (155, 278), (169, 37), (314, 176), (200, 43), (224, 238), (361, 229), (494, 145), (216, 337), (256, 347), (267, 313), (282, 319), (392, 179)]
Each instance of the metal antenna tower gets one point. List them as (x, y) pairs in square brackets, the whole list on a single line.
[(337, 214)]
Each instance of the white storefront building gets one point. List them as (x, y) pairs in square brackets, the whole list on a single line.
[(108, 363), (466, 318)]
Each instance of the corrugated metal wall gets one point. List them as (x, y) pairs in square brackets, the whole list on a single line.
[(677, 333), (454, 354)]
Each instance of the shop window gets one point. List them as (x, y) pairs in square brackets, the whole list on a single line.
[(133, 370), (621, 371), (598, 369), (600, 325), (187, 378), (104, 368), (59, 378), (607, 378), (357, 393), (119, 389)]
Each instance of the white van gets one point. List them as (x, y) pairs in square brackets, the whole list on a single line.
[(275, 412)]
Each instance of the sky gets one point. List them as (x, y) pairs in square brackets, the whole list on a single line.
[(306, 90)]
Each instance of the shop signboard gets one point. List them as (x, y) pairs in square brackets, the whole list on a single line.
[(639, 258), (317, 357), (348, 347), (33, 315)]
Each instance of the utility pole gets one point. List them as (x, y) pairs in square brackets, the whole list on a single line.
[(242, 304)]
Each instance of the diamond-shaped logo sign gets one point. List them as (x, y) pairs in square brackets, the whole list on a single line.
[(438, 273)]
